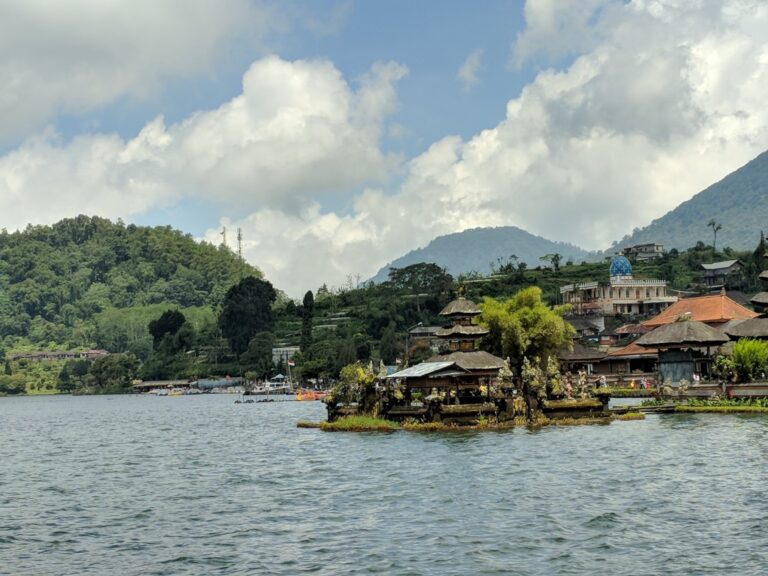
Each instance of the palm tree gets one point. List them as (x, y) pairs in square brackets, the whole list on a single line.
[(715, 227)]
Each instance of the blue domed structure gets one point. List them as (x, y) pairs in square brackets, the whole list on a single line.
[(620, 266)]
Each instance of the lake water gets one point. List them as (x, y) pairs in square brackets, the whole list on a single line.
[(199, 485)]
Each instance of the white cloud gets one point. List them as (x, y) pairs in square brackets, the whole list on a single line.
[(668, 101), (558, 28), (298, 130), (82, 54), (467, 73)]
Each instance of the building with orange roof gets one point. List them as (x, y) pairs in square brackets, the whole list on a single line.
[(710, 309)]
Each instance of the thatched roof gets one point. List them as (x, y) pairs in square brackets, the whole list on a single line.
[(582, 324), (471, 330), (460, 307), (476, 360), (689, 333), (581, 353), (753, 328), (764, 275), (760, 299)]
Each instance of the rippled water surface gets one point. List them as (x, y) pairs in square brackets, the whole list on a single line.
[(199, 485)]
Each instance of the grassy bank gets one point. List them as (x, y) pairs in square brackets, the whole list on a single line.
[(359, 424), (628, 392), (369, 424), (722, 409)]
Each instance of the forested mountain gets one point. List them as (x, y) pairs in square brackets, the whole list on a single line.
[(482, 249), (89, 282), (738, 204)]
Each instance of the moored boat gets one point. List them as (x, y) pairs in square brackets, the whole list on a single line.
[(309, 395)]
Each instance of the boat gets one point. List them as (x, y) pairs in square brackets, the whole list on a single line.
[(310, 395)]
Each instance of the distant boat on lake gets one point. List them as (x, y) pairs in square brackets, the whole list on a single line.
[(310, 395)]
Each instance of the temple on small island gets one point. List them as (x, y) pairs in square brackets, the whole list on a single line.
[(465, 385), (457, 377)]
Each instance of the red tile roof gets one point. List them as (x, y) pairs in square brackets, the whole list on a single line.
[(710, 309)]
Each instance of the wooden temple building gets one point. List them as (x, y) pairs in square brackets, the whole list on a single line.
[(460, 377)]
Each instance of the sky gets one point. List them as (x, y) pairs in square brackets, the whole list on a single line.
[(340, 134)]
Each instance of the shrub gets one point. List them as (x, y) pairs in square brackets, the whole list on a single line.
[(750, 359)]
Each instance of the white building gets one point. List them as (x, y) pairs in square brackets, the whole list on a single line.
[(622, 294)]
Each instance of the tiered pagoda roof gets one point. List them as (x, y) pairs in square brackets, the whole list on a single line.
[(460, 307), (761, 299)]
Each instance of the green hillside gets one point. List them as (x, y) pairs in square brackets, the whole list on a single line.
[(482, 250), (738, 202), (86, 282)]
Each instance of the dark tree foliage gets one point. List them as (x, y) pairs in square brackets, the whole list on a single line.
[(307, 314), (247, 310), (114, 372), (168, 323), (258, 356), (73, 375), (388, 345)]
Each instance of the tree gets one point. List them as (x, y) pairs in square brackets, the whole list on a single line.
[(760, 252), (73, 375), (553, 259), (715, 227), (247, 310), (307, 314), (388, 344), (169, 323), (524, 327), (258, 356), (423, 280), (115, 371)]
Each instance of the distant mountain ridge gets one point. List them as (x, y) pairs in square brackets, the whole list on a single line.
[(476, 249), (738, 202)]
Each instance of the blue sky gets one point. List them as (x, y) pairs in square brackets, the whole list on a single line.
[(340, 134)]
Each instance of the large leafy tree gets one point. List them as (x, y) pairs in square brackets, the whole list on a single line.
[(424, 281), (115, 371), (524, 327), (247, 310)]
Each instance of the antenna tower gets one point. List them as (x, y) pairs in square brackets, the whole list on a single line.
[(223, 236)]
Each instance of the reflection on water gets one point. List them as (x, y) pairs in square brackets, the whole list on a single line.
[(199, 485)]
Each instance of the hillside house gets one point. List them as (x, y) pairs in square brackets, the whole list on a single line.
[(727, 273), (643, 252)]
